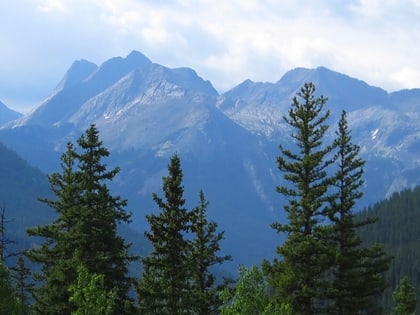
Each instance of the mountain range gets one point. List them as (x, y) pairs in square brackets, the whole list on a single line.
[(227, 142)]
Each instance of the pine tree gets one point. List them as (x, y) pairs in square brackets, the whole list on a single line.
[(165, 283), (85, 231), (205, 245), (357, 271), (51, 296), (22, 282), (299, 276), (405, 298)]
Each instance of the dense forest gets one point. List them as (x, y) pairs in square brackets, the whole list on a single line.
[(398, 228), (332, 261)]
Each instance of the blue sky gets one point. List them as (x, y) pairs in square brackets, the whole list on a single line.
[(226, 42)]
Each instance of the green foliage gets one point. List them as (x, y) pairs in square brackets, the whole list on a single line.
[(250, 296), (164, 287), (89, 294), (23, 283), (399, 230), (323, 267), (405, 298), (84, 231), (9, 303), (204, 248), (357, 271), (176, 275), (298, 276)]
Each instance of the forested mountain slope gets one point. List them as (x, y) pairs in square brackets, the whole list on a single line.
[(398, 228), (20, 186)]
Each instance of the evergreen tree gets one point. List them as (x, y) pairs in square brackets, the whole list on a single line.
[(299, 276), (52, 296), (22, 282), (165, 284), (9, 303), (85, 230), (405, 298), (204, 246), (357, 271)]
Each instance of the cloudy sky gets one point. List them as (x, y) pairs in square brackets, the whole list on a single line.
[(226, 42)]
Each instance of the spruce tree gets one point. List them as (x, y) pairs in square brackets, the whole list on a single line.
[(164, 287), (21, 276), (51, 294), (298, 277), (204, 248), (357, 272), (85, 230)]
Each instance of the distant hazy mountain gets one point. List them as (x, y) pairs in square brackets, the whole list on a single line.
[(7, 114), (228, 143)]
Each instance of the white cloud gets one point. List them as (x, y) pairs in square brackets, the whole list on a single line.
[(225, 42), (48, 6)]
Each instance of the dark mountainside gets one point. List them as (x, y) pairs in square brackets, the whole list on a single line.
[(228, 143), (20, 186), (398, 228)]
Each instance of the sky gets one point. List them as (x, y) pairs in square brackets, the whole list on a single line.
[(226, 42)]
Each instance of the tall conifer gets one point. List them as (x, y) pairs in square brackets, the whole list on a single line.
[(205, 246), (21, 276), (85, 230), (165, 283), (298, 276), (357, 271)]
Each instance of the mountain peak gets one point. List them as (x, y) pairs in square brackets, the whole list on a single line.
[(133, 60), (295, 76), (79, 71), (7, 114), (342, 90), (137, 57)]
